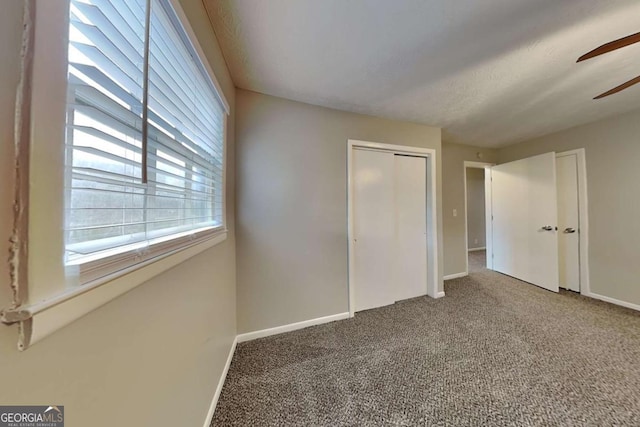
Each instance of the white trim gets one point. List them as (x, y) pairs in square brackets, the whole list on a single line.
[(223, 377), (613, 301), (484, 248), (433, 278), (403, 149), (478, 165), (488, 211), (291, 327), (439, 295), (475, 165), (45, 255), (104, 263), (583, 212), (455, 276)]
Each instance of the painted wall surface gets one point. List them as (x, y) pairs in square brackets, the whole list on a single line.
[(292, 205), (612, 155), (476, 225), (10, 34), (152, 357), (453, 158)]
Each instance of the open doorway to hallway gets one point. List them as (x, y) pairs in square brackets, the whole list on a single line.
[(477, 260), (476, 218)]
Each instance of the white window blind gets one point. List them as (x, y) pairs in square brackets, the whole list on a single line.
[(145, 137)]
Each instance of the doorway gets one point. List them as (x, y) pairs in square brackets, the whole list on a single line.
[(477, 209), (391, 224)]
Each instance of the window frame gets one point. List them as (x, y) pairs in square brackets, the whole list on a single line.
[(45, 299)]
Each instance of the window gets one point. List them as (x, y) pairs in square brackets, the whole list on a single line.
[(144, 137), (120, 159)]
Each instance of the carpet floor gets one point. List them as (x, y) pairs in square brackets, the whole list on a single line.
[(477, 261), (494, 352)]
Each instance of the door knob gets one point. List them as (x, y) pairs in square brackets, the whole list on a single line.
[(547, 228), (569, 230)]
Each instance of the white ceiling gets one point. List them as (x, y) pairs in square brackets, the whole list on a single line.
[(489, 72)]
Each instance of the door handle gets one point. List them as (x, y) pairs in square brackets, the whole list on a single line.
[(569, 230), (547, 228)]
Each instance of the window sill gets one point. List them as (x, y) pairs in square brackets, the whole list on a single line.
[(41, 319)]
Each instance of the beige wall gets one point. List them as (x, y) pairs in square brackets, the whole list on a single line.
[(292, 205), (475, 208), (453, 158), (10, 34), (613, 173), (152, 357)]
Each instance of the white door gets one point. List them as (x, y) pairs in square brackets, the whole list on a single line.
[(568, 222), (525, 211), (374, 228), (410, 275)]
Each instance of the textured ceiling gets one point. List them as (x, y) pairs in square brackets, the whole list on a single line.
[(489, 72)]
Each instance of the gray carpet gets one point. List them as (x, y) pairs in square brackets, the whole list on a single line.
[(493, 352), (477, 261)]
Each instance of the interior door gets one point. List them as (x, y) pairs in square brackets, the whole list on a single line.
[(568, 222), (374, 228), (410, 274), (525, 211)]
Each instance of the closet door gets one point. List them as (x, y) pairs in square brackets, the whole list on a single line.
[(374, 228), (410, 274)]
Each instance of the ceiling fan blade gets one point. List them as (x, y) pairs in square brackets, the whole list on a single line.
[(616, 44), (619, 88)]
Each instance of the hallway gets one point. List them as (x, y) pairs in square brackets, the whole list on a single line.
[(477, 261)]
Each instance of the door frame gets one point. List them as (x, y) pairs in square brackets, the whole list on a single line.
[(434, 277), (583, 217), (487, 210)]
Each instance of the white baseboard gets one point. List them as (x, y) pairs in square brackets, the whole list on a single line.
[(454, 276), (613, 301), (439, 295), (291, 327), (484, 248), (223, 377)]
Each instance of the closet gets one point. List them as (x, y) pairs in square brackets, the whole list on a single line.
[(389, 212)]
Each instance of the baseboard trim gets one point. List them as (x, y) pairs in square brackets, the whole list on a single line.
[(291, 327), (484, 248), (613, 301), (223, 377), (454, 276), (439, 295)]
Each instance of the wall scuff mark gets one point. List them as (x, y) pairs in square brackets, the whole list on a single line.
[(18, 248)]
